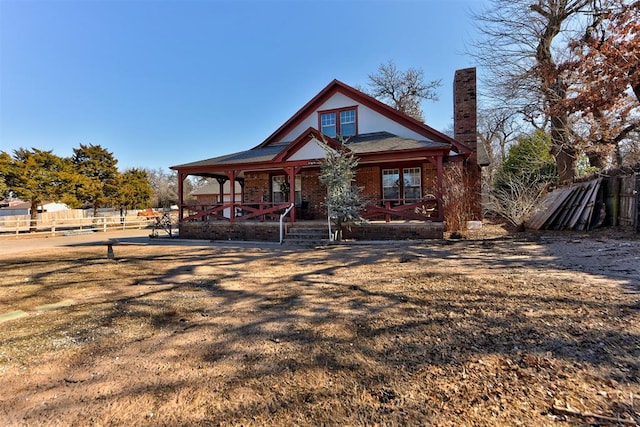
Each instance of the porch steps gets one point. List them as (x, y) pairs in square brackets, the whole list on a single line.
[(306, 235)]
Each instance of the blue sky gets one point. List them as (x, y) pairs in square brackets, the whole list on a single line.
[(160, 83)]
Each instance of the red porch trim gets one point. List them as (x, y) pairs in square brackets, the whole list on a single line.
[(181, 178), (424, 210), (232, 174), (304, 138), (260, 211)]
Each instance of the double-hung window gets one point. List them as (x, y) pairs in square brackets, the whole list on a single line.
[(280, 189), (391, 184), (341, 122), (412, 185), (402, 185), (328, 124)]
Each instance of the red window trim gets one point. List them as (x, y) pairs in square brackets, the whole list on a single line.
[(337, 112)]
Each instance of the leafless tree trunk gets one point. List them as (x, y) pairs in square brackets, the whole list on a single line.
[(521, 49)]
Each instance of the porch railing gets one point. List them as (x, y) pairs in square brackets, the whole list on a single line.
[(426, 209), (241, 211), (397, 209)]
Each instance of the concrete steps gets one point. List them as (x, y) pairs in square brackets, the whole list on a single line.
[(306, 235)]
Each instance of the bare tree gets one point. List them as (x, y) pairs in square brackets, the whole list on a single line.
[(498, 128), (519, 197), (457, 198), (165, 187), (523, 49), (403, 90)]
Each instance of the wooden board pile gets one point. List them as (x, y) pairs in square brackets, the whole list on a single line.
[(576, 207)]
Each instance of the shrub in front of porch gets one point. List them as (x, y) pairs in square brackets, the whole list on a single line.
[(343, 200)]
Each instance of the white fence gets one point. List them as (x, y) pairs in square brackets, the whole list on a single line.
[(63, 226)]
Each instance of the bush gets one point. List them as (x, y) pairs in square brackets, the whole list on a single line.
[(523, 178)]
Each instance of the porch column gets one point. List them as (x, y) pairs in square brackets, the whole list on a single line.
[(233, 174), (291, 173), (221, 182), (241, 182), (440, 173), (181, 177)]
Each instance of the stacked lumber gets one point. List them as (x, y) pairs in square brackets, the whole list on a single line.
[(570, 208)]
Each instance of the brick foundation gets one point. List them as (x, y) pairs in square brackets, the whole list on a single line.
[(270, 231), (395, 231), (222, 230)]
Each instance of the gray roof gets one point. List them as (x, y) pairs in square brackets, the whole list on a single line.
[(375, 142), (384, 141), (254, 155)]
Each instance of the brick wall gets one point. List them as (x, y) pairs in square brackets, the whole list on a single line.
[(206, 199), (256, 187), (313, 192), (429, 179), (270, 231), (407, 231), (369, 179), (222, 230)]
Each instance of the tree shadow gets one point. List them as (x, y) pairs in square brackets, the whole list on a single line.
[(353, 324)]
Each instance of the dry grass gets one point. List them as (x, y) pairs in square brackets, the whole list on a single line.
[(350, 335)]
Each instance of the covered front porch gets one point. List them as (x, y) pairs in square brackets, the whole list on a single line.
[(400, 180)]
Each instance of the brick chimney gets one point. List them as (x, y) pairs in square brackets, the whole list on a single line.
[(465, 127), (465, 110)]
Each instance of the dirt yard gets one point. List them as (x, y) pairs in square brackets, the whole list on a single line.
[(514, 330)]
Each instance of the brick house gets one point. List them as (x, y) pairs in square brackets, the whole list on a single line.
[(401, 161)]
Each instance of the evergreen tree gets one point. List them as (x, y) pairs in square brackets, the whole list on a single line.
[(5, 166), (528, 161), (338, 174), (39, 176), (135, 190), (98, 165)]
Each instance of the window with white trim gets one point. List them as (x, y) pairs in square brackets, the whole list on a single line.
[(390, 184), (402, 185), (341, 122), (280, 189), (412, 185)]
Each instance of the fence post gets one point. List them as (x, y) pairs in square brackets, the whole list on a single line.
[(104, 224), (53, 227), (17, 226)]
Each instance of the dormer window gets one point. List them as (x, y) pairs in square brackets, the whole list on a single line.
[(342, 122)]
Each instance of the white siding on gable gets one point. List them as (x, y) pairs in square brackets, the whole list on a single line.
[(311, 150), (369, 121)]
